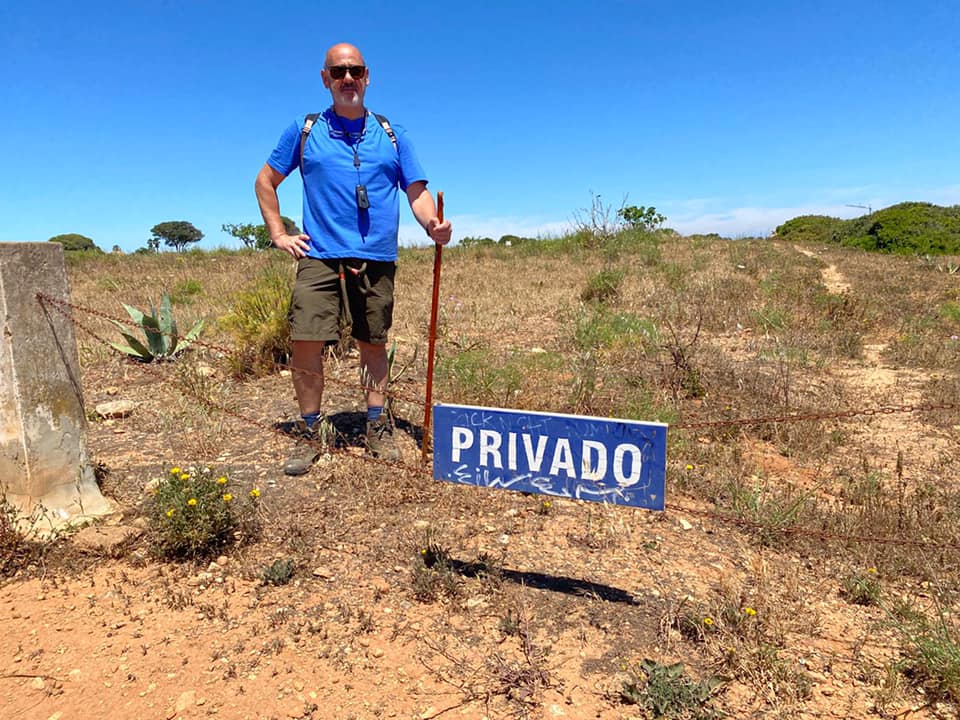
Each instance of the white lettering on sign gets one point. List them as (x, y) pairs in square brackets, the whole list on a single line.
[(626, 465)]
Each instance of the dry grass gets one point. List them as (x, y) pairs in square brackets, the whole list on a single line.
[(653, 328)]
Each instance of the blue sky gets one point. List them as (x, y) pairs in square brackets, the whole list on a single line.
[(727, 116)]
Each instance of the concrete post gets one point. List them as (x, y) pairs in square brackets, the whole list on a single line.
[(45, 472)]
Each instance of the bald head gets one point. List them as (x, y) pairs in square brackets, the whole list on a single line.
[(341, 51)]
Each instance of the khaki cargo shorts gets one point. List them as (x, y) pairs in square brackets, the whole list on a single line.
[(318, 299)]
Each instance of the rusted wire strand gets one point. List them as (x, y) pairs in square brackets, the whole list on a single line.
[(717, 516)]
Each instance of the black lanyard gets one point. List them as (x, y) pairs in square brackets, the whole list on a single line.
[(353, 143)]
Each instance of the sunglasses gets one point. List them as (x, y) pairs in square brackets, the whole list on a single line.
[(339, 72)]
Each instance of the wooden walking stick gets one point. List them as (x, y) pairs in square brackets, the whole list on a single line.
[(437, 258)]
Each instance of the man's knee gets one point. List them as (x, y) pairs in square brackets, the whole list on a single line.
[(307, 352)]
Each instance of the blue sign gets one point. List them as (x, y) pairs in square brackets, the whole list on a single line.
[(586, 458)]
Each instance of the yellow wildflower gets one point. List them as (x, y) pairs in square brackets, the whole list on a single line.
[(749, 611), (872, 571), (185, 476), (222, 480), (227, 497), (708, 621), (255, 493), (192, 501), (689, 467), (170, 512), (174, 471)]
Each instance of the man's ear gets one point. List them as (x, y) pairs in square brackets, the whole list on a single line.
[(325, 78)]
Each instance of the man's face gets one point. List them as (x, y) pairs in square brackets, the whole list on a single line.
[(347, 92)]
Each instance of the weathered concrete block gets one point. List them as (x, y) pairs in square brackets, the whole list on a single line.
[(43, 456)]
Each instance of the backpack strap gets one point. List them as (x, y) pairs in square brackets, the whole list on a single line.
[(385, 124), (307, 127), (311, 119)]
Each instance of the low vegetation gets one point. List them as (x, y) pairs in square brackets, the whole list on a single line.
[(797, 511)]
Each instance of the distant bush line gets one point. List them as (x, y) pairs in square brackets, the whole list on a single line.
[(904, 229)]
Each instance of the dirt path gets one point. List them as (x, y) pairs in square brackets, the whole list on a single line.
[(877, 383)]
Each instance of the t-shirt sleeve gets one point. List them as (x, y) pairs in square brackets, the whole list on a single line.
[(286, 155), (410, 169)]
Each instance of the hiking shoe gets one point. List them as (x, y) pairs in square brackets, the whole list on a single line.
[(380, 440), (308, 447)]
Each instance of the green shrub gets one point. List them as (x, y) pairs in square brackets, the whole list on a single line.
[(906, 228), (810, 228), (194, 512), (603, 286), (259, 322), (183, 292)]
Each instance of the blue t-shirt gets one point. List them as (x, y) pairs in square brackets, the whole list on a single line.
[(337, 227)]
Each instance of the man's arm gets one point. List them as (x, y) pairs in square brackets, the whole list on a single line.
[(266, 185), (425, 211)]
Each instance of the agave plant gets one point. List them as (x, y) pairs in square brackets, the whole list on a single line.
[(161, 337)]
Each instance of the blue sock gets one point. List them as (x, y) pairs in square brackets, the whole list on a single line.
[(311, 419), (374, 413)]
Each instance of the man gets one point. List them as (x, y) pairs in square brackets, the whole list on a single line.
[(351, 169)]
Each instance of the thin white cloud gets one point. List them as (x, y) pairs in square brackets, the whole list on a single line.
[(691, 217)]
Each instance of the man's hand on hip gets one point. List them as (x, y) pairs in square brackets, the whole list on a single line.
[(296, 245), (439, 232)]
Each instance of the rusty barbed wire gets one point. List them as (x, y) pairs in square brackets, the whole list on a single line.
[(803, 417), (63, 306), (715, 515), (802, 531)]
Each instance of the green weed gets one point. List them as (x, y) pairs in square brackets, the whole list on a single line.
[(279, 572), (932, 652), (665, 691), (184, 291)]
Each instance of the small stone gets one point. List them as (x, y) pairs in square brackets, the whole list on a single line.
[(37, 683), (115, 409), (685, 524), (186, 700), (421, 524), (323, 573), (206, 371), (112, 390)]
